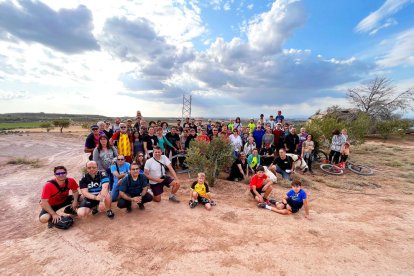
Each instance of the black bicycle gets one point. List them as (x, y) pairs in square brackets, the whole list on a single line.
[(338, 169)]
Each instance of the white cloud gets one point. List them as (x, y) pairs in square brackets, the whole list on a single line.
[(373, 22), (268, 31), (401, 50), (12, 95)]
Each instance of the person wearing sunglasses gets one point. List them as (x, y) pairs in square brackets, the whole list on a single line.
[(94, 186), (92, 140), (55, 196), (125, 142), (119, 170)]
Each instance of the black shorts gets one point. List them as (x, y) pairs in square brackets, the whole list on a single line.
[(67, 202), (259, 190), (158, 188), (88, 203), (203, 200), (295, 205)]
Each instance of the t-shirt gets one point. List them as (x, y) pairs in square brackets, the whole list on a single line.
[(133, 187), (299, 197), (91, 141), (155, 169), (53, 195), (251, 127), (279, 118), (104, 157), (201, 189), (124, 168), (151, 140), (94, 184), (236, 142), (285, 164), (173, 138), (257, 181)]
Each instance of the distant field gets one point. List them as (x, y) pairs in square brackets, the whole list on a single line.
[(5, 126)]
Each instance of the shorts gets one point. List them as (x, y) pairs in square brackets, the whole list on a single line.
[(259, 190), (88, 203), (158, 188), (203, 200), (295, 205), (67, 202)]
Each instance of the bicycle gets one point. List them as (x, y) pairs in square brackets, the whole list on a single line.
[(319, 156), (338, 169)]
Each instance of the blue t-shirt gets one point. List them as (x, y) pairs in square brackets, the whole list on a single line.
[(299, 197), (122, 169), (133, 187)]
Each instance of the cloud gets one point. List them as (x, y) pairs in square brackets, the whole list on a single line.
[(401, 50), (67, 30), (373, 22), (268, 31), (12, 95)]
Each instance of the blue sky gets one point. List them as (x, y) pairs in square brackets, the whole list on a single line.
[(237, 58)]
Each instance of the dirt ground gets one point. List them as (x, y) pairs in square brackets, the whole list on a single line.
[(359, 225)]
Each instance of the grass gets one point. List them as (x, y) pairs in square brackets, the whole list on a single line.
[(7, 126), (35, 163)]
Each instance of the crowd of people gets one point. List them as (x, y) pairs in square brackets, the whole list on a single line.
[(131, 163)]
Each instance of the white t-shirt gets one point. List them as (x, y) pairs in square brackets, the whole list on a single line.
[(155, 168), (236, 142)]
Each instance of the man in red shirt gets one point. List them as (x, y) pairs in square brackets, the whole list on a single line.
[(260, 184), (277, 133), (55, 195)]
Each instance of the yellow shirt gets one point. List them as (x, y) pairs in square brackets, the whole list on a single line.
[(201, 189), (251, 126)]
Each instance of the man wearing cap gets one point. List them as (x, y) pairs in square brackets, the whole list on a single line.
[(92, 140)]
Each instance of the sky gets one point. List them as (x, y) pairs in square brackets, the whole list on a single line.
[(235, 58)]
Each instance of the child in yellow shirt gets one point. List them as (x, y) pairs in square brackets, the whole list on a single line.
[(200, 192)]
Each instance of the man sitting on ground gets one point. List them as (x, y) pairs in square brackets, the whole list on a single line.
[(155, 170), (283, 164), (55, 195), (95, 190), (134, 189)]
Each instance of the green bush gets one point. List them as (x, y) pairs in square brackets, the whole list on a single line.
[(48, 126), (209, 158), (62, 123), (387, 128)]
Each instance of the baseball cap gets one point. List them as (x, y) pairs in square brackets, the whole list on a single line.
[(94, 126)]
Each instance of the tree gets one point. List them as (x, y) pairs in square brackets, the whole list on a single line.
[(379, 99), (62, 123), (47, 125), (209, 158)]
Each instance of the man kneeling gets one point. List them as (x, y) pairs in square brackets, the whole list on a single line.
[(134, 189), (55, 195)]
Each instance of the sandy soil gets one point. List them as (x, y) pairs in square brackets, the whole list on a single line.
[(363, 227)]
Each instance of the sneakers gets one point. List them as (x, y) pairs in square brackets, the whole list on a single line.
[(95, 210), (213, 203), (173, 198), (110, 214), (273, 201), (129, 209), (50, 224), (305, 170), (69, 210), (141, 206), (261, 205), (193, 204)]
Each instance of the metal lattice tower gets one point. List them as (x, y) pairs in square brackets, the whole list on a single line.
[(186, 111)]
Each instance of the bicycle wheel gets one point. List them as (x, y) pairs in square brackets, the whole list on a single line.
[(321, 156), (331, 169), (360, 169)]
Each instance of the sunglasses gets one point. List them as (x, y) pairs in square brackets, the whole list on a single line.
[(135, 169), (122, 127), (60, 173), (91, 168), (95, 128), (120, 159)]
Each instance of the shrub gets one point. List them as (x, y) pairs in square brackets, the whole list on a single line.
[(390, 127), (48, 126), (35, 163), (209, 158), (62, 123)]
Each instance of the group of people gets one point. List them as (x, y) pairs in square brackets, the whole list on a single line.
[(129, 164)]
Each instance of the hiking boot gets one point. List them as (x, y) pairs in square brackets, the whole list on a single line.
[(173, 198), (261, 205), (129, 209), (141, 206), (50, 224), (110, 214), (193, 204), (69, 210), (272, 201), (94, 210)]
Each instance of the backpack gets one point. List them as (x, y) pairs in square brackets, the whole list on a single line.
[(64, 223)]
